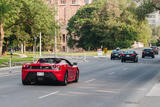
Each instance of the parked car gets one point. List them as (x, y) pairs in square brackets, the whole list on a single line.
[(155, 49), (116, 54), (50, 70), (148, 52), (130, 55)]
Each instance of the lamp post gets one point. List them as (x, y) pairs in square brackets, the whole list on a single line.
[(55, 38), (35, 38), (10, 65), (40, 49)]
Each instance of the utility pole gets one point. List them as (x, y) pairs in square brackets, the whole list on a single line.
[(35, 38), (40, 49), (55, 38)]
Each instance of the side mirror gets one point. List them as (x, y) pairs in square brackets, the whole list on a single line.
[(75, 63)]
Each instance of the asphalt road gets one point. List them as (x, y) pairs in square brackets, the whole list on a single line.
[(103, 83)]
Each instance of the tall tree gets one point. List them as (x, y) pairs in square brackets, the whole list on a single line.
[(9, 11)]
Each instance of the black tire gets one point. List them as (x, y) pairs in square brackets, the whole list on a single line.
[(153, 56), (142, 56), (77, 76), (136, 60), (65, 82), (25, 82), (111, 58), (122, 60)]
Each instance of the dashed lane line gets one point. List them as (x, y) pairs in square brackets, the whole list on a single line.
[(90, 80), (44, 96)]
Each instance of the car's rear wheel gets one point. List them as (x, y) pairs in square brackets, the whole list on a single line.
[(142, 56), (77, 76), (25, 82), (122, 60), (153, 56), (65, 82), (136, 60)]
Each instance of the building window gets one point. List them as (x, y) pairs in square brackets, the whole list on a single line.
[(63, 1), (64, 38), (73, 1)]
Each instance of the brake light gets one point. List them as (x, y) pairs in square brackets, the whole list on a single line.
[(122, 54), (151, 52), (56, 68), (133, 55)]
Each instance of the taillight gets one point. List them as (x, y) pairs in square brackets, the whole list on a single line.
[(133, 55), (151, 52), (56, 68), (143, 52), (122, 54)]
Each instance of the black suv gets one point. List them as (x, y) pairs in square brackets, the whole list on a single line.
[(148, 52)]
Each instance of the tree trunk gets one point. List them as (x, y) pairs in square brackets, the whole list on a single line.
[(1, 38)]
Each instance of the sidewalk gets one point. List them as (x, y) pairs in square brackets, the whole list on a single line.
[(7, 70)]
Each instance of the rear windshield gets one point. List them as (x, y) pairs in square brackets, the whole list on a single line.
[(128, 52), (115, 51), (154, 47), (147, 50), (49, 60)]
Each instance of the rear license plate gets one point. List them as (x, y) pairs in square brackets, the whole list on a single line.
[(40, 73), (128, 56)]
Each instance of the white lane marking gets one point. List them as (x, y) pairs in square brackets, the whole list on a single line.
[(48, 95), (125, 69), (90, 81), (111, 73)]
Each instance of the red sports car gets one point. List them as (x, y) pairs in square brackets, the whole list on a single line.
[(50, 70)]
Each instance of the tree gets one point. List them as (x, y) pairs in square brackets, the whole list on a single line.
[(25, 19), (109, 24), (8, 17)]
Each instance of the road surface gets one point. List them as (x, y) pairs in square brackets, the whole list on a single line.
[(103, 83)]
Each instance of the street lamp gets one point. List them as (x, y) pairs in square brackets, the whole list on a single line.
[(55, 38), (35, 38)]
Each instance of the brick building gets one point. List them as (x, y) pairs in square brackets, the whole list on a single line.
[(65, 10)]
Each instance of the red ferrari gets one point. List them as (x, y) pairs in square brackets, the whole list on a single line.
[(50, 70)]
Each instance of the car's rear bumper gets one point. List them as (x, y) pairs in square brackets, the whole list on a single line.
[(49, 76), (114, 56), (129, 58), (148, 55)]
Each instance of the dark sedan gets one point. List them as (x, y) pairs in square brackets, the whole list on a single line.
[(148, 52), (129, 55), (116, 54)]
